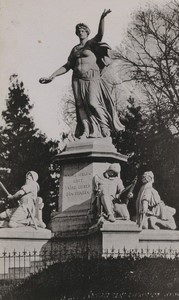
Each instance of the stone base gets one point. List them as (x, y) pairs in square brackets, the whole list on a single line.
[(19, 247), (23, 239), (69, 223), (116, 238), (122, 234), (98, 149), (159, 240)]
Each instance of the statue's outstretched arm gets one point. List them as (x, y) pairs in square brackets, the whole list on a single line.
[(62, 70), (100, 33)]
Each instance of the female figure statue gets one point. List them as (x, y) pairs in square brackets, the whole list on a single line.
[(96, 116)]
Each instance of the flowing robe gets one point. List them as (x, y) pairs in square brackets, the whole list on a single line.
[(93, 94), (156, 207)]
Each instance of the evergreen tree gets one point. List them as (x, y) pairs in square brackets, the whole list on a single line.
[(25, 148), (132, 141)]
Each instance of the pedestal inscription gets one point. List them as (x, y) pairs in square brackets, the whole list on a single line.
[(76, 185)]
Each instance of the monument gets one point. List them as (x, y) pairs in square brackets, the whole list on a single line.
[(91, 216)]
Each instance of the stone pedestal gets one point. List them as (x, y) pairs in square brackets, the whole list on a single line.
[(23, 239), (125, 236), (113, 238), (79, 163), (122, 234), (118, 238), (159, 239), (17, 247)]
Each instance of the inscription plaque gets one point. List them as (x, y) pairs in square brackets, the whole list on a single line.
[(77, 185)]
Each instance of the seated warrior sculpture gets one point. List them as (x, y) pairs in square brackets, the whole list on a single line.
[(28, 211), (151, 212), (106, 189)]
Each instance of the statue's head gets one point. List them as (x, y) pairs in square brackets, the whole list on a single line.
[(33, 175), (114, 170), (83, 26), (147, 177)]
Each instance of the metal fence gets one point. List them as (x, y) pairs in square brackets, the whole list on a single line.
[(18, 266), (141, 253)]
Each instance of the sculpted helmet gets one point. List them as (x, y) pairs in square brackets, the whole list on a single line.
[(115, 168), (33, 174), (148, 176)]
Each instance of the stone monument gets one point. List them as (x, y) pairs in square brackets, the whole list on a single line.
[(90, 155)]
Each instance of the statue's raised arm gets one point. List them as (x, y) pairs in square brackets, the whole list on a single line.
[(100, 33), (95, 112)]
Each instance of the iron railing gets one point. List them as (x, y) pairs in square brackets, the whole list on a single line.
[(18, 266)]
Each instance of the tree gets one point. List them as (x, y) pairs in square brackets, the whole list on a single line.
[(150, 57), (25, 148)]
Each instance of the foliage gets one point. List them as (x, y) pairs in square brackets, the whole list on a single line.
[(24, 147), (150, 57), (119, 278)]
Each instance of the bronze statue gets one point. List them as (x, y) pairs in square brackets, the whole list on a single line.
[(95, 112)]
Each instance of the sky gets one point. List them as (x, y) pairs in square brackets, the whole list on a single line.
[(36, 38)]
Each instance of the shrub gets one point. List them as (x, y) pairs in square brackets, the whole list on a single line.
[(112, 278)]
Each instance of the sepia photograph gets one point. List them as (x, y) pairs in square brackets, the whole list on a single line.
[(89, 149)]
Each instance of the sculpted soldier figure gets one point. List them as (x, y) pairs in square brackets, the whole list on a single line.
[(151, 210), (96, 115), (106, 189), (25, 213)]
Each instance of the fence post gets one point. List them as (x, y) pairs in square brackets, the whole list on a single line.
[(4, 263)]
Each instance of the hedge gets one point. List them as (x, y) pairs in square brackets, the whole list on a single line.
[(112, 278)]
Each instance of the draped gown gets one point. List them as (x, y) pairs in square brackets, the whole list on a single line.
[(95, 111)]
